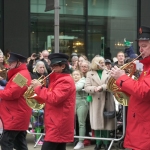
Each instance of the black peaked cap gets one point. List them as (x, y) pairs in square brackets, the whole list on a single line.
[(144, 33), (16, 57), (56, 58)]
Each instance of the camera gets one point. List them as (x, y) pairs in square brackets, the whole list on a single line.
[(36, 55)]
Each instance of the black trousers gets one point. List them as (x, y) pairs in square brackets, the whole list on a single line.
[(53, 146), (14, 139)]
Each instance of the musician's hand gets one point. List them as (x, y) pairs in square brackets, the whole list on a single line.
[(116, 72), (35, 83)]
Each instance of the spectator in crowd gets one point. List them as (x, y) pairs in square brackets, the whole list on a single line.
[(96, 86), (81, 105), (138, 118), (115, 59), (74, 63), (3, 61), (45, 54), (38, 70), (85, 67), (74, 54), (6, 56), (120, 58), (28, 60), (128, 48), (35, 58), (108, 64), (74, 59), (59, 101), (37, 122), (6, 53), (3, 76), (14, 110), (3, 71), (75, 66), (81, 59)]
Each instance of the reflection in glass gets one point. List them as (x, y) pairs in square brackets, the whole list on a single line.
[(108, 23)]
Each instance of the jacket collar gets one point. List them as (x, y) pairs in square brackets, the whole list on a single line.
[(146, 62), (16, 70)]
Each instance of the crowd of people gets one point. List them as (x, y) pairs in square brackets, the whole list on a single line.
[(75, 96)]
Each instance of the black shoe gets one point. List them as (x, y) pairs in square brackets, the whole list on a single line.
[(97, 147)]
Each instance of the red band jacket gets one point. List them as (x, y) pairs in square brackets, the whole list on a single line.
[(138, 117), (59, 107), (14, 111)]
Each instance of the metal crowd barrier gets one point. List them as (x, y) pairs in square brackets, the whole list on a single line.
[(41, 135), (111, 139), (95, 138)]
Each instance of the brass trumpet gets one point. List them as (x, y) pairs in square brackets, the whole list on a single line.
[(122, 97), (32, 99)]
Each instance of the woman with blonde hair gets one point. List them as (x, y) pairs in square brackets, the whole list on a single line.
[(38, 70), (96, 86)]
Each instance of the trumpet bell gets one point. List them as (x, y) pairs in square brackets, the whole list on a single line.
[(33, 101), (121, 96)]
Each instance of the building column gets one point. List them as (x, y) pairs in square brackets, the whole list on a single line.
[(17, 26)]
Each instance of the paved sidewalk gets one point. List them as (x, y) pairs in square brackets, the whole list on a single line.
[(30, 141)]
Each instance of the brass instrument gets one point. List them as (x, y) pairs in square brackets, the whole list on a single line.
[(3, 72), (32, 99), (122, 97)]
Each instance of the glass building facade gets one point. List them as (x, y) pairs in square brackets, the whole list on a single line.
[(87, 27)]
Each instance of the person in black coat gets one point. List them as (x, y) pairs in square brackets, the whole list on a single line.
[(38, 71)]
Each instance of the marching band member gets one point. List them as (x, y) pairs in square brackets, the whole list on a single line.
[(14, 110), (138, 118), (59, 100)]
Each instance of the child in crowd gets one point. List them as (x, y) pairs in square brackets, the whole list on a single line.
[(81, 105), (37, 124)]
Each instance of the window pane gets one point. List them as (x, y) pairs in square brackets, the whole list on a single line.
[(110, 21), (72, 30)]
